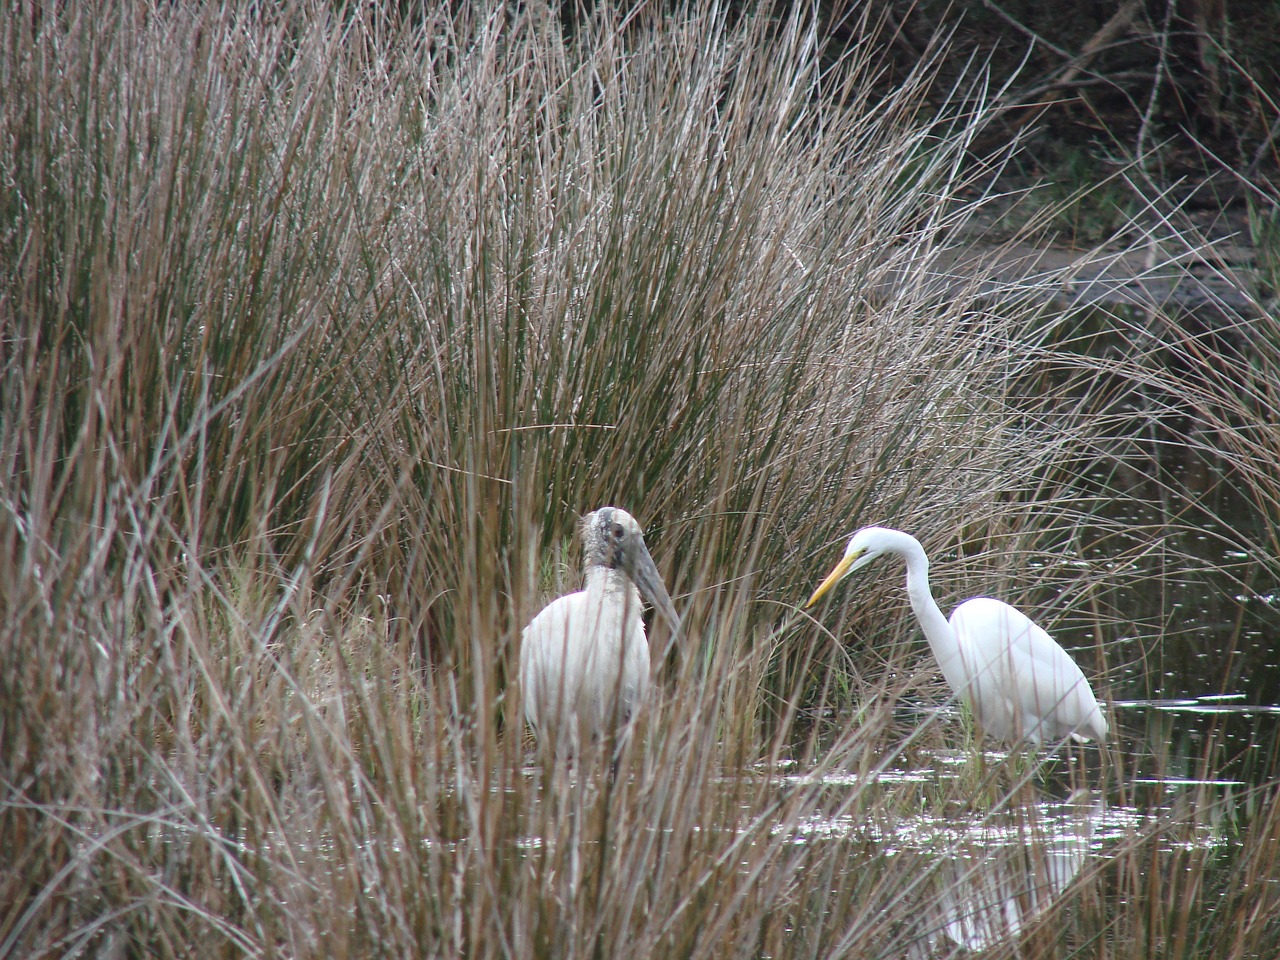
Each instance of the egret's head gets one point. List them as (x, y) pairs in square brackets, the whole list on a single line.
[(864, 546), (612, 538)]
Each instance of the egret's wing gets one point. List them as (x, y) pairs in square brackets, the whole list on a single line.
[(1058, 692), (1042, 692)]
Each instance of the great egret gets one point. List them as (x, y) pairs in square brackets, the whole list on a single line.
[(584, 660), (1017, 681)]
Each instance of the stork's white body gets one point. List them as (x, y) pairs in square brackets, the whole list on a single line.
[(584, 662)]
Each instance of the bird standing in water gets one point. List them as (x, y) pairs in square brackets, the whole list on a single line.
[(1017, 681), (584, 659)]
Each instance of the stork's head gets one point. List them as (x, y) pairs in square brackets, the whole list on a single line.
[(612, 538)]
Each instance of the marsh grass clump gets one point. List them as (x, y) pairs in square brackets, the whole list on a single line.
[(322, 325)]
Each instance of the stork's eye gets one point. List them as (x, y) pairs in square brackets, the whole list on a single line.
[(617, 531)]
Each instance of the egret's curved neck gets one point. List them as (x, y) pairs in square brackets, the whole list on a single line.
[(937, 630)]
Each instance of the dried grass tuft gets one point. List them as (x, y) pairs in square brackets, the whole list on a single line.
[(322, 326)]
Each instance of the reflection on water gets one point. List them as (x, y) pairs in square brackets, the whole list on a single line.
[(1202, 706), (1212, 740), (990, 869), (989, 875), (1002, 878)]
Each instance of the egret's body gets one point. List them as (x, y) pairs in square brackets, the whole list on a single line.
[(584, 660), (1017, 681)]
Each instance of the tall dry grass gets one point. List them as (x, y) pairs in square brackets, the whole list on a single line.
[(321, 328)]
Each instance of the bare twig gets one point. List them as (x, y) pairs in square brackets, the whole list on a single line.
[(1071, 71)]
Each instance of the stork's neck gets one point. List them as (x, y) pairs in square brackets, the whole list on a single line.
[(606, 580)]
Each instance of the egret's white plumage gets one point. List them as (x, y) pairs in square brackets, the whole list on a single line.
[(584, 660), (1015, 678)]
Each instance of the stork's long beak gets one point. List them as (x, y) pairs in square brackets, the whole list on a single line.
[(648, 580), (834, 577)]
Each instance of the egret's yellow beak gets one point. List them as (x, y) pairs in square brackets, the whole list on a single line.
[(834, 577)]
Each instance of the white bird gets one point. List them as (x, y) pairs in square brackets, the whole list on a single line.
[(1017, 681), (584, 660)]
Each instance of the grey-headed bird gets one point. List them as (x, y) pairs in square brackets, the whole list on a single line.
[(584, 659)]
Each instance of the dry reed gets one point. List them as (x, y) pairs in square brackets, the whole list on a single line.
[(322, 325)]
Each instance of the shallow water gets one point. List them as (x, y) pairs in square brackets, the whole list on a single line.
[(1203, 602), (1196, 697)]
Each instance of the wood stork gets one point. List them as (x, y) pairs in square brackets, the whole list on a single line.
[(584, 660), (1015, 678)]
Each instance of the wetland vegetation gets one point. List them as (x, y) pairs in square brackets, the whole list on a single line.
[(322, 326)]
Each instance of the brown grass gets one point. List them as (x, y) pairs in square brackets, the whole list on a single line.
[(320, 330)]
